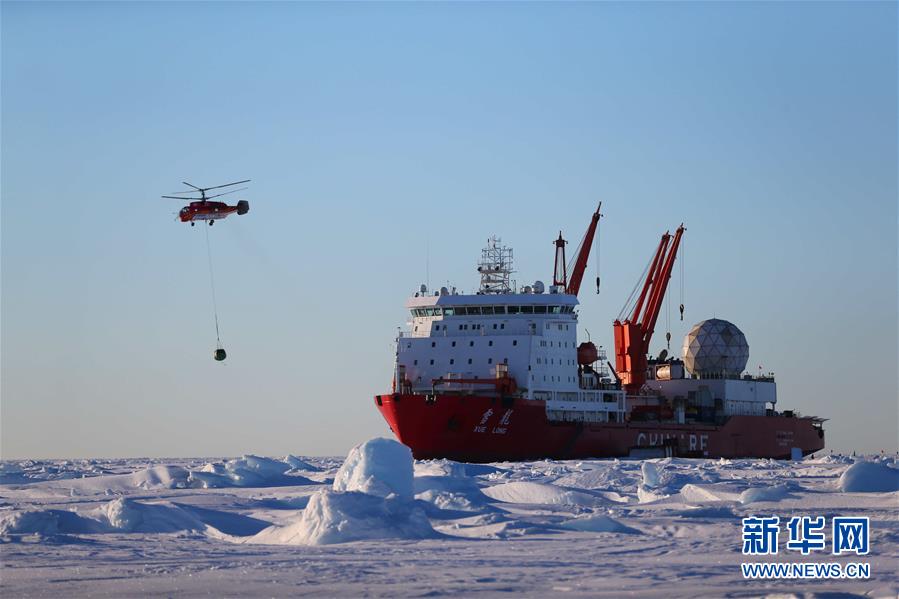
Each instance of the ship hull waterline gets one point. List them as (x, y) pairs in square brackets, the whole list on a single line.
[(479, 428)]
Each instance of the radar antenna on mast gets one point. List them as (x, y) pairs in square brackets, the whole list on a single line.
[(495, 267)]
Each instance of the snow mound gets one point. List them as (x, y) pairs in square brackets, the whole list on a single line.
[(869, 477), (607, 476), (161, 477), (439, 468), (692, 493), (757, 494), (248, 471), (118, 516), (340, 517), (453, 491), (598, 524), (125, 515), (297, 464), (43, 522), (540, 493), (372, 498), (645, 495), (377, 467)]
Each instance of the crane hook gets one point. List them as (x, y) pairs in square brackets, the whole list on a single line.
[(681, 311), (668, 339)]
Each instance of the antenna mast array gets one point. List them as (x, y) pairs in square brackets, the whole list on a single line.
[(495, 267)]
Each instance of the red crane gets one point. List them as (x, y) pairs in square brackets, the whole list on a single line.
[(633, 335), (560, 276)]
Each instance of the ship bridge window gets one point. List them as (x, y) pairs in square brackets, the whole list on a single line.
[(449, 311), (539, 309), (527, 309), (462, 311), (487, 310), (555, 309), (513, 309), (499, 309), (473, 310)]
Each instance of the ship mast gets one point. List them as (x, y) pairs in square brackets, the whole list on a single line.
[(632, 336), (495, 268)]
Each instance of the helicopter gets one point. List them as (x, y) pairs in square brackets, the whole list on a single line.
[(202, 209)]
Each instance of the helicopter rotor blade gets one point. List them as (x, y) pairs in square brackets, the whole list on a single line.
[(225, 185), (226, 193), (192, 185), (182, 199)]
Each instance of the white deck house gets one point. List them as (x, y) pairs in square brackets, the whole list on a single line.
[(534, 334)]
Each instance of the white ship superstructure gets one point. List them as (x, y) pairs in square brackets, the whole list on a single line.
[(459, 342)]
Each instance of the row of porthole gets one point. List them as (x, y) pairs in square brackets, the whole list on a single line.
[(554, 379), (474, 327), (552, 361), (470, 344), (550, 344), (453, 361)]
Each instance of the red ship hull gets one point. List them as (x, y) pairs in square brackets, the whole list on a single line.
[(473, 428)]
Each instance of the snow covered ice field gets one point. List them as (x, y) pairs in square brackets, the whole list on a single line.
[(376, 524)]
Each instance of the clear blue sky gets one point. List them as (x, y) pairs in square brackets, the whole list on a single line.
[(374, 131)]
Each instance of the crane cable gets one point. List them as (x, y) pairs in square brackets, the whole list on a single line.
[(215, 309), (598, 222), (682, 250), (632, 299), (668, 320)]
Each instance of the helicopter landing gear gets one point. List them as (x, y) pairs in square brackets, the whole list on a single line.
[(211, 222), (193, 224)]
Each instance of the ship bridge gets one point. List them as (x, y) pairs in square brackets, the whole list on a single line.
[(534, 337)]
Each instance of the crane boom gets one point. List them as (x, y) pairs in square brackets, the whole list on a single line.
[(632, 336), (580, 264)]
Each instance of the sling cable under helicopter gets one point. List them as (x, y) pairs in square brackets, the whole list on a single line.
[(200, 209)]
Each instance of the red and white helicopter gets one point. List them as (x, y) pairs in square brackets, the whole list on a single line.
[(202, 209)]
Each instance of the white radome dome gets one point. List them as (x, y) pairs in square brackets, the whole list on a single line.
[(715, 346)]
